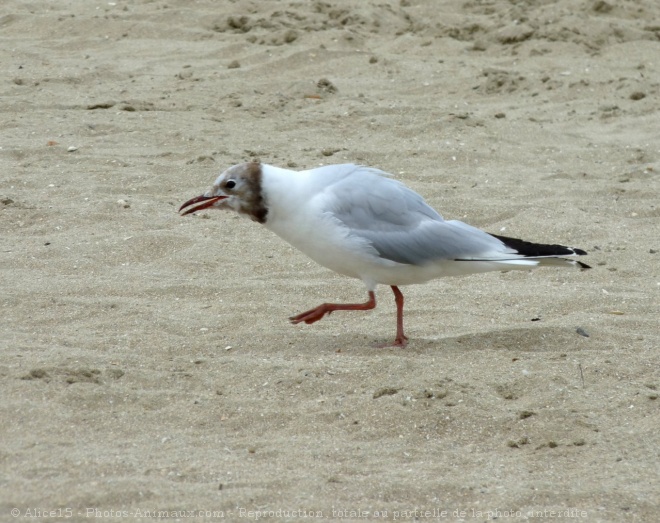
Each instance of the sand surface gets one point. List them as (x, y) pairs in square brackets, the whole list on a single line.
[(147, 360)]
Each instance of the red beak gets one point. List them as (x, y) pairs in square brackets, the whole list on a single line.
[(207, 201)]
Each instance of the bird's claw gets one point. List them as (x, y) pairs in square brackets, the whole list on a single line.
[(399, 341), (310, 316)]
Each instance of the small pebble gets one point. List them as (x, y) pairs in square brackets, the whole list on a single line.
[(582, 332), (326, 85), (479, 45), (71, 148), (385, 391), (234, 64), (290, 36), (123, 203)]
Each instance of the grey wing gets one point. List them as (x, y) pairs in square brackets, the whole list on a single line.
[(402, 227)]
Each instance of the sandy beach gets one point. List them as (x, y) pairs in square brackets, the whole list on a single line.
[(148, 367)]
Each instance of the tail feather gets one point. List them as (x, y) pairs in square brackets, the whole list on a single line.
[(552, 260), (545, 254)]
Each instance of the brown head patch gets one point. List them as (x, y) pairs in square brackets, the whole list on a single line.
[(252, 199)]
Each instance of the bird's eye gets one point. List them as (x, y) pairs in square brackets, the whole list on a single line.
[(230, 184)]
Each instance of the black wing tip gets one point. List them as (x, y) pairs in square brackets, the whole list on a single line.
[(532, 250), (583, 266)]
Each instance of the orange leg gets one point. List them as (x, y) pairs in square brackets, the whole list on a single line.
[(316, 314), (401, 339)]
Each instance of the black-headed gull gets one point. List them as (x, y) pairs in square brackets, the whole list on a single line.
[(359, 222)]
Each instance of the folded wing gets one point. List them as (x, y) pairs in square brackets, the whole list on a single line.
[(402, 227)]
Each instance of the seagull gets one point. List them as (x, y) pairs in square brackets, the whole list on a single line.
[(360, 222)]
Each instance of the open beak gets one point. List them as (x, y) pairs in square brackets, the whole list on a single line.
[(206, 201)]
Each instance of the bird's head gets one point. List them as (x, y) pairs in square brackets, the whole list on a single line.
[(238, 189)]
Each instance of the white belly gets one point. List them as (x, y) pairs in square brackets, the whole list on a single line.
[(333, 247), (328, 244)]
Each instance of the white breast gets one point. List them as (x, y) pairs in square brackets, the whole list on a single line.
[(297, 213)]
